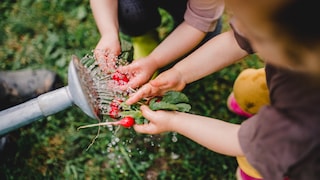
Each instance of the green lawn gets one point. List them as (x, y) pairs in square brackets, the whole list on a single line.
[(37, 34)]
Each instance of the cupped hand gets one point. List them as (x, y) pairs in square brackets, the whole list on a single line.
[(166, 81), (159, 121), (139, 72)]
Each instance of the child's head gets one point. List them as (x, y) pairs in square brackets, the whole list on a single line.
[(282, 32)]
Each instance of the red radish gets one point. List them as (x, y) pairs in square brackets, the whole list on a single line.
[(116, 103), (126, 122), (120, 78), (114, 108), (113, 113)]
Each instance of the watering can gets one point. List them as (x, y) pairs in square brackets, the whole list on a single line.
[(76, 92)]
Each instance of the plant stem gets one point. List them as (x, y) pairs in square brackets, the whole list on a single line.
[(126, 157), (98, 124)]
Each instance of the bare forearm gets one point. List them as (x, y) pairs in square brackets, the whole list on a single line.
[(219, 52), (181, 41), (216, 135), (105, 13)]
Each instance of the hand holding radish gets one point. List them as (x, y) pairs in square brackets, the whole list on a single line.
[(121, 79), (131, 114), (140, 71), (159, 121)]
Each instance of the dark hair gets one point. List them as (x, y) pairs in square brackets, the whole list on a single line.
[(298, 19)]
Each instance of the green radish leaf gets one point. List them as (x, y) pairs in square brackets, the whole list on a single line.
[(175, 97), (134, 113), (162, 106), (172, 100), (125, 107), (183, 107), (140, 120)]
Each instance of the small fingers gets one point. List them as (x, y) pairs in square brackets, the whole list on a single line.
[(164, 81), (134, 79), (145, 128), (147, 112), (135, 82), (144, 92), (149, 128), (106, 59), (125, 69)]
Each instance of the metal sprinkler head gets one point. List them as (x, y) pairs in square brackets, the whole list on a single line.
[(82, 88)]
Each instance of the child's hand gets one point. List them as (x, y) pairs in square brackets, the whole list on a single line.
[(139, 72), (106, 52), (166, 81), (159, 121), (171, 79)]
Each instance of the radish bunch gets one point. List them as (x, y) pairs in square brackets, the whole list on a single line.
[(126, 116), (115, 108)]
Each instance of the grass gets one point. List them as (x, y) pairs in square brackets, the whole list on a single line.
[(44, 34)]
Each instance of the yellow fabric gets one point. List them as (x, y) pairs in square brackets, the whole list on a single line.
[(144, 44), (247, 168), (251, 91)]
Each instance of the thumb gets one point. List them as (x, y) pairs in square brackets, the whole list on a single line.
[(147, 112), (125, 69), (143, 92), (159, 81), (146, 128), (163, 82)]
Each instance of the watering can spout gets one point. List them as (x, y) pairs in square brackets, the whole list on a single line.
[(42, 106)]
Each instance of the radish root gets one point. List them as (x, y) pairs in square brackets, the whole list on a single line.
[(98, 124)]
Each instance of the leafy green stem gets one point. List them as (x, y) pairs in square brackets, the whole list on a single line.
[(126, 157)]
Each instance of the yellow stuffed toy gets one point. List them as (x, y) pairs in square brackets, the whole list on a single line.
[(250, 93)]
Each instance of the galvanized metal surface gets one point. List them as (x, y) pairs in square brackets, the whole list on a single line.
[(51, 102)]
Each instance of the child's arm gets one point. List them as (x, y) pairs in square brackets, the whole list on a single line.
[(105, 13), (181, 41), (216, 135), (216, 54), (220, 52), (199, 17)]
